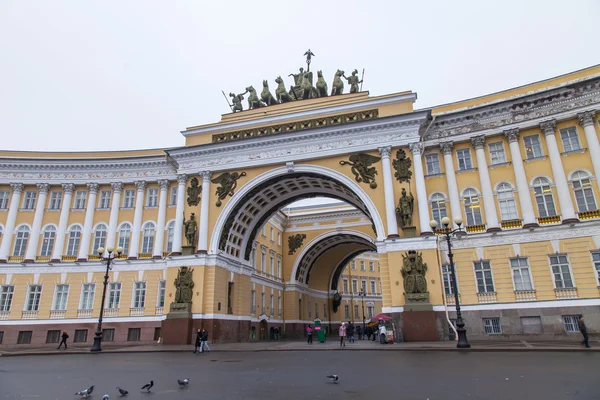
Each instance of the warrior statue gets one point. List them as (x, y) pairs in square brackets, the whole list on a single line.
[(236, 99), (413, 272), (405, 208), (190, 227), (353, 81), (184, 285)]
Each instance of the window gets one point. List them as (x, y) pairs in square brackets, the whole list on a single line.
[(170, 236), (272, 304), (125, 237), (346, 286), (506, 200), (595, 260), (139, 294), (99, 237), (55, 201), (531, 325), (356, 312), (309, 312), (483, 274), (272, 264), (262, 303), (346, 311), (278, 238), (29, 200), (6, 296), (472, 207), (448, 287), (279, 306), (134, 334), (584, 195), (364, 286), (4, 194), (1, 336), (354, 286), (278, 266), (263, 231), (353, 263), (48, 241), (80, 336), (263, 259), (21, 241), (87, 296), (432, 163), (571, 323), (34, 292), (152, 197), (324, 310), (533, 148), (24, 337), (79, 200), (53, 336), (104, 201), (464, 159), (570, 139), (161, 293), (157, 333), (371, 266), (492, 326), (370, 311), (253, 302), (373, 287), (173, 201), (362, 265), (60, 298), (74, 240), (108, 335), (114, 295), (438, 207), (272, 235), (148, 240), (497, 155), (128, 197), (521, 273), (561, 271), (543, 197)]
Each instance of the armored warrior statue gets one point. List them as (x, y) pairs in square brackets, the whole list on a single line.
[(190, 227), (405, 208), (353, 81), (184, 285), (413, 272)]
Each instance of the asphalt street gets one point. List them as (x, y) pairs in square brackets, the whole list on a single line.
[(302, 375)]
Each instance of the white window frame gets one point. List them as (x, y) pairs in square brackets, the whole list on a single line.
[(55, 201), (138, 299), (272, 234), (582, 189), (113, 300), (371, 266), (497, 153), (253, 302), (463, 157), (363, 285), (4, 195), (61, 296), (438, 207), (561, 271), (22, 236), (484, 277), (506, 201), (262, 303), (346, 311), (263, 259), (34, 294), (373, 286), (570, 139), (170, 236), (6, 297), (80, 198), (152, 198), (104, 200), (272, 304), (148, 233), (535, 144), (595, 255), (520, 264), (278, 238), (173, 196), (125, 240), (354, 285), (492, 326), (128, 198), (353, 264), (48, 241), (74, 240), (88, 292), (571, 323), (447, 279), (278, 266), (162, 289), (472, 207), (345, 286), (100, 234), (362, 265), (29, 200), (272, 263), (432, 164), (542, 189)]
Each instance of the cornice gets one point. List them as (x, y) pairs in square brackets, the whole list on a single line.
[(329, 216)]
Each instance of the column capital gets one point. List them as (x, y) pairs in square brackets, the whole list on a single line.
[(16, 187), (93, 188), (117, 187), (416, 148), (43, 187), (140, 185), (385, 151), (68, 187), (548, 127), (446, 147), (182, 178), (478, 142), (512, 135), (205, 175), (586, 118), (163, 184)]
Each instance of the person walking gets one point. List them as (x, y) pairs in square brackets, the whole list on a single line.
[(342, 333), (309, 333), (64, 340), (204, 341), (583, 330), (198, 341), (382, 334), (350, 332)]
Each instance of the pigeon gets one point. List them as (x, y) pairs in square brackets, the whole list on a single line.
[(334, 378), (85, 393), (148, 386), (184, 382), (105, 397), (122, 392)]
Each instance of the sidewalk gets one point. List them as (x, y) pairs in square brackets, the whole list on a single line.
[(330, 345)]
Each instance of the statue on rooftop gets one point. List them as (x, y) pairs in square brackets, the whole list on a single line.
[(338, 84), (236, 99), (353, 81), (266, 95)]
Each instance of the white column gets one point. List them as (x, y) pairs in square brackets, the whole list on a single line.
[(160, 223), (178, 234), (451, 181), (113, 220), (204, 203), (489, 205), (529, 220), (137, 219), (88, 223), (417, 151), (586, 120), (9, 227), (562, 187), (65, 208), (388, 192), (37, 222)]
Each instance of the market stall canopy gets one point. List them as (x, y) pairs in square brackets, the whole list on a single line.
[(380, 317)]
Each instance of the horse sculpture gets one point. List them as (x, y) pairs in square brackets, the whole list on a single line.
[(338, 84), (253, 100), (321, 85), (282, 95), (308, 91), (266, 95)]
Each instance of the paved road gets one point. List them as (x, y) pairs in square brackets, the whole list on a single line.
[(301, 375)]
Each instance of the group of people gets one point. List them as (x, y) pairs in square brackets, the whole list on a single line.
[(201, 341), (347, 331)]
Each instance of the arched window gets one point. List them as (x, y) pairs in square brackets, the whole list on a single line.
[(438, 207), (506, 200), (125, 237), (543, 197), (584, 195), (170, 235), (74, 240), (148, 240), (21, 240), (48, 241), (99, 237), (472, 207)]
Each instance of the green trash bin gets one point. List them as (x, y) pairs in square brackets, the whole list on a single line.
[(320, 330)]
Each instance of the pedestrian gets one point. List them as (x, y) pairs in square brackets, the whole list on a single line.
[(359, 332), (382, 334), (204, 341), (583, 330), (309, 332), (198, 341), (350, 332), (342, 333), (64, 340), (368, 332)]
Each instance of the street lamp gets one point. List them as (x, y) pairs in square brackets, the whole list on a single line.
[(362, 294), (463, 343), (97, 346)]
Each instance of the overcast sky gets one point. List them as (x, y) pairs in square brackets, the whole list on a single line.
[(83, 75)]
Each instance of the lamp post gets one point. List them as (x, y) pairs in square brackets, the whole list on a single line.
[(463, 343), (362, 294), (97, 346)]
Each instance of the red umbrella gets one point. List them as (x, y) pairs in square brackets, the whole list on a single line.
[(380, 316)]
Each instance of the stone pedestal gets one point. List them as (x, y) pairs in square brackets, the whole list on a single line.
[(177, 327), (419, 319), (409, 231), (188, 250)]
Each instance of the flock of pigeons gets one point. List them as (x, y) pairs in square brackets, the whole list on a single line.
[(87, 392)]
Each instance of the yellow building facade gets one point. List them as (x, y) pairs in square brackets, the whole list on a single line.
[(519, 167)]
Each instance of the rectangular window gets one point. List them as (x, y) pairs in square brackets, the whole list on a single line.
[(24, 337), (53, 336), (371, 266), (483, 274), (278, 267), (354, 286), (272, 263), (104, 201), (353, 263), (432, 163), (33, 298), (263, 231), (1, 336), (161, 293), (531, 325), (448, 287), (279, 306), (497, 155), (373, 287), (362, 266), (152, 197), (157, 333), (108, 335), (364, 286), (492, 326), (324, 310), (4, 194), (79, 200), (571, 323), (134, 334), (356, 312), (521, 273), (272, 305), (87, 296), (346, 286), (139, 294), (263, 259), (464, 159), (29, 200), (370, 311), (595, 260), (253, 302), (561, 271), (60, 298), (80, 336), (262, 303), (55, 201), (6, 296), (114, 295), (173, 201), (272, 235), (533, 147), (346, 312), (128, 197), (278, 238), (570, 139)]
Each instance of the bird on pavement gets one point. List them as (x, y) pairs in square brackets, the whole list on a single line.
[(105, 397), (184, 382), (334, 378), (85, 393), (148, 386), (122, 392)]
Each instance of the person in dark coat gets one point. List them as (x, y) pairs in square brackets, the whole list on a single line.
[(64, 340), (204, 341), (350, 332), (198, 342), (368, 332), (583, 330)]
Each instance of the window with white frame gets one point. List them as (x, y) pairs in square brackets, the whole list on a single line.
[(4, 195), (74, 240), (278, 238), (173, 198), (371, 266), (87, 296), (438, 207), (279, 266), (29, 200), (272, 235), (596, 261), (354, 286), (543, 197), (114, 295), (104, 200), (253, 302), (472, 207), (464, 159), (21, 240), (6, 296), (483, 274), (162, 285), (324, 310), (561, 271), (345, 285), (356, 312), (570, 139), (432, 164), (272, 263), (79, 200), (262, 303), (571, 323), (170, 236), (148, 238), (353, 264), (373, 287), (99, 237), (48, 238), (263, 231), (128, 197), (139, 294), (506, 200), (346, 311), (370, 312), (152, 200), (125, 237), (521, 273), (497, 155), (55, 201), (584, 194), (263, 259), (60, 298), (272, 305), (364, 286), (492, 326), (279, 306), (34, 292), (447, 275), (362, 265), (533, 147)]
